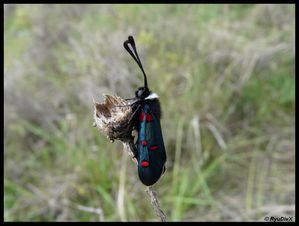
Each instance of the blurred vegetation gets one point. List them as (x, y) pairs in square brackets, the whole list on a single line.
[(225, 75)]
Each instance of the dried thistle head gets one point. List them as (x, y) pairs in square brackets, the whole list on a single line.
[(108, 117)]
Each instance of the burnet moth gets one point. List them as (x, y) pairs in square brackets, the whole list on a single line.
[(149, 148)]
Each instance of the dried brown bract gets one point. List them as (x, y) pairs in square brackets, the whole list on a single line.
[(111, 115)]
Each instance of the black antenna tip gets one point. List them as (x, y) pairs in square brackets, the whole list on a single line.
[(131, 39)]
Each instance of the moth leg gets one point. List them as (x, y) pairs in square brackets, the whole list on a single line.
[(134, 114), (130, 98), (133, 148), (124, 125)]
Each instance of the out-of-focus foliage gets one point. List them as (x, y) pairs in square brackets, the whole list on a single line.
[(226, 81)]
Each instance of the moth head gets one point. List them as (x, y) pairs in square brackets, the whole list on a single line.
[(142, 92)]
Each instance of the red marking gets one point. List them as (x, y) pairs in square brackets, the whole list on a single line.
[(144, 142), (149, 118), (144, 163), (153, 147), (142, 116)]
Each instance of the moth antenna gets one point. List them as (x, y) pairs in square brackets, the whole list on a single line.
[(135, 56)]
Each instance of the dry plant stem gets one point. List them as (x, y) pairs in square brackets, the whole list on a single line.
[(107, 117), (155, 203)]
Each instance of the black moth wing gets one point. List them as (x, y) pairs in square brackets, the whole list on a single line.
[(151, 150)]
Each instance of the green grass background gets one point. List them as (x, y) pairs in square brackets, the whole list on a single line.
[(225, 75)]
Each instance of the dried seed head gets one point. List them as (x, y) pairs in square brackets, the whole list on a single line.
[(108, 117)]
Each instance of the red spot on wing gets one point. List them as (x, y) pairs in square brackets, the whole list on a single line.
[(149, 118), (142, 116), (144, 163), (153, 147), (144, 142)]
